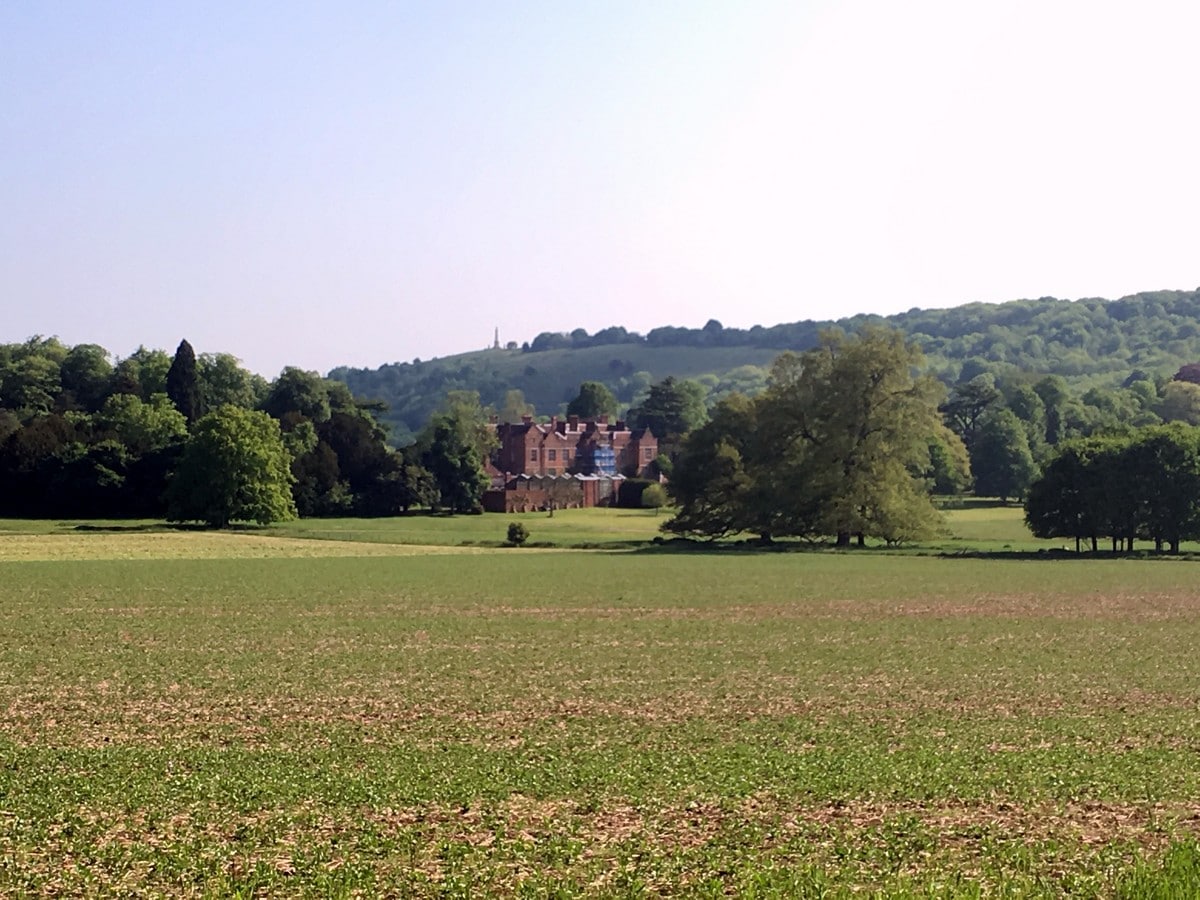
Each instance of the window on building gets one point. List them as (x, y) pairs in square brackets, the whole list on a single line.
[(553, 455), (533, 455), (567, 454), (552, 470), (648, 453)]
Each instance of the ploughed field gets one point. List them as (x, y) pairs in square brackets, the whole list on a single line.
[(203, 715)]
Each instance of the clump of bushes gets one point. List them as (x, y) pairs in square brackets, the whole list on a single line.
[(654, 497), (518, 534)]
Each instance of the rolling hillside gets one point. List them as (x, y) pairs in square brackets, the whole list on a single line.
[(1089, 341)]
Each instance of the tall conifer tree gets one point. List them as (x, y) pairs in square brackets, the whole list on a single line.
[(183, 383)]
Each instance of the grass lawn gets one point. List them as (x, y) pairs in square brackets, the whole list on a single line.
[(567, 527), (991, 528), (260, 715)]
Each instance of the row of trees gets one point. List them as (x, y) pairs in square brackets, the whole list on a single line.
[(201, 438), (848, 441), (1043, 335), (1144, 485), (1012, 426), (845, 440)]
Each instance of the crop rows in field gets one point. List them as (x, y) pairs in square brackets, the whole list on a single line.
[(503, 722)]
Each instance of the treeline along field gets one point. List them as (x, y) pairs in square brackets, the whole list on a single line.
[(200, 439), (595, 723)]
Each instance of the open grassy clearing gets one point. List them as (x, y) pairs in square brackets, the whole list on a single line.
[(567, 527), (981, 527), (596, 723)]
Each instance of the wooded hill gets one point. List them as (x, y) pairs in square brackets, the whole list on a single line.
[(1090, 342)]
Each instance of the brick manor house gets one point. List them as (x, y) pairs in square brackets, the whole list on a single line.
[(565, 462)]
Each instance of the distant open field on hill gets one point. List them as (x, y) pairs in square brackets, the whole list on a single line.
[(212, 714)]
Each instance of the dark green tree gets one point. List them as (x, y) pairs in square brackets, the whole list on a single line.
[(713, 481), (319, 489), (407, 485), (183, 383), (1180, 402), (1027, 406), (1068, 499), (453, 448), (1000, 458), (1166, 465), (143, 372), (298, 391), (967, 403), (1055, 394), (455, 464), (672, 409), (86, 376), (593, 401)]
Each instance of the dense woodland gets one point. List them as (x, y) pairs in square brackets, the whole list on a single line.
[(1091, 343), (202, 439), (1005, 392)]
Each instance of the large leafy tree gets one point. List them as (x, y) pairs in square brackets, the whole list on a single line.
[(852, 422), (455, 464), (298, 391), (712, 481), (1055, 396), (1000, 457), (86, 376), (406, 486), (234, 467), (30, 376), (1180, 402), (30, 460), (142, 427), (837, 445), (223, 380), (453, 448)]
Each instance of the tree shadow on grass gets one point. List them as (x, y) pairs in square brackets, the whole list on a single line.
[(677, 546), (140, 528)]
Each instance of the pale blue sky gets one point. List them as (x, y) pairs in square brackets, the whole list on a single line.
[(358, 183)]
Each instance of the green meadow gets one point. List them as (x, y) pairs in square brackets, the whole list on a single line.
[(350, 708), (985, 528)]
